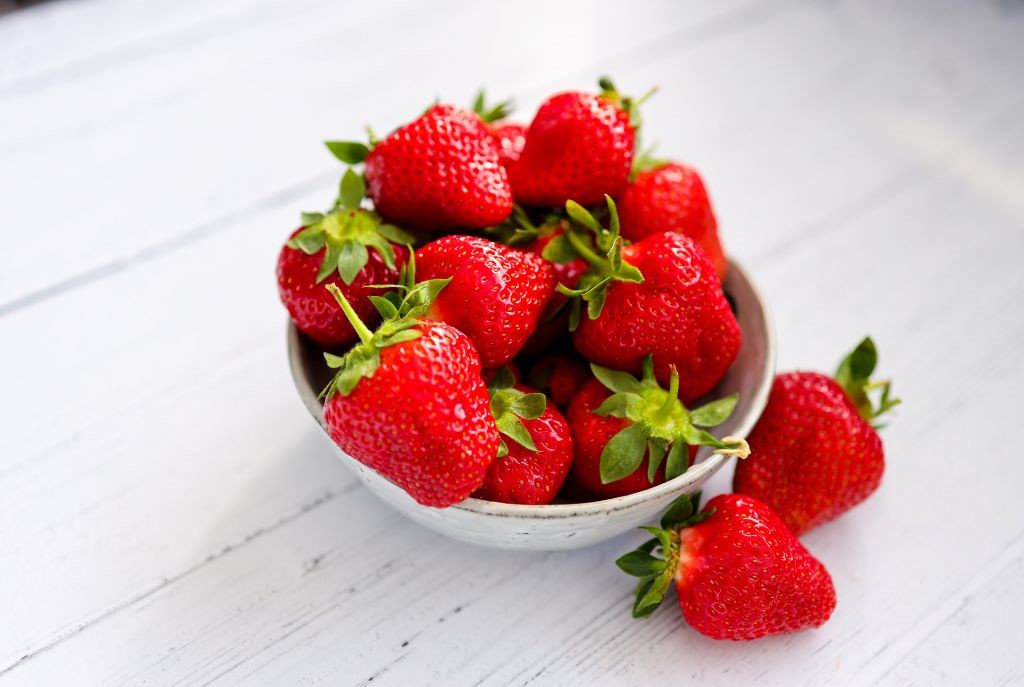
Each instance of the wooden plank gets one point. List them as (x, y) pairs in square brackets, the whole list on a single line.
[(973, 638)]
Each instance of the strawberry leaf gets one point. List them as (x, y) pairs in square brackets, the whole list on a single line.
[(681, 510), (385, 307), (624, 452), (352, 190), (622, 405), (512, 427), (714, 413), (352, 258), (616, 380), (640, 564), (678, 459), (349, 152), (559, 250), (656, 449), (396, 235), (529, 406)]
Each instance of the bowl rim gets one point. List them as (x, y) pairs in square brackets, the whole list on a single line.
[(695, 473)]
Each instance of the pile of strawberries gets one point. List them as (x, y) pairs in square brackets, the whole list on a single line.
[(521, 314)]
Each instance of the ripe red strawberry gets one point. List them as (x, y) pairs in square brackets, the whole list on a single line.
[(739, 573), (560, 376), (509, 136), (658, 296), (816, 453), (496, 295), (579, 146), (333, 249), (529, 469), (522, 233), (408, 401), (441, 171), (671, 197), (625, 428), (511, 139)]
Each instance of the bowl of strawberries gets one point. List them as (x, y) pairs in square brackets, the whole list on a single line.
[(524, 337)]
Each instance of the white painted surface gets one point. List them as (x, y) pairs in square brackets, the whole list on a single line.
[(168, 514)]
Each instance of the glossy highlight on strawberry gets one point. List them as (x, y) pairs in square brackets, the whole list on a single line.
[(496, 296), (440, 172), (579, 147)]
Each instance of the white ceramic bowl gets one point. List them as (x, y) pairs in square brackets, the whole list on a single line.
[(573, 525)]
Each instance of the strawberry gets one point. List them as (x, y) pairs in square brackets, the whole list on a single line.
[(408, 401), (496, 296), (625, 428), (522, 233), (739, 573), (531, 468), (579, 146), (510, 137), (671, 197), (560, 376), (333, 249), (442, 171), (816, 452), (658, 296)]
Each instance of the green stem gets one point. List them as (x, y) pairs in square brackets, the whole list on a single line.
[(365, 335), (585, 251), (665, 411)]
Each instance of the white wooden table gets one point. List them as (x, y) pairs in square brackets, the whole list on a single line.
[(168, 514)]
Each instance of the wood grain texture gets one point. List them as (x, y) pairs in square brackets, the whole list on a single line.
[(169, 515)]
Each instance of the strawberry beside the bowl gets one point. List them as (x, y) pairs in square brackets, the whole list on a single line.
[(739, 572)]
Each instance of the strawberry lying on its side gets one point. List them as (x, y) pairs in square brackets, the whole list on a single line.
[(658, 296), (739, 573), (439, 172), (533, 463), (817, 454), (624, 429), (671, 197), (579, 146), (496, 295), (409, 402), (350, 248)]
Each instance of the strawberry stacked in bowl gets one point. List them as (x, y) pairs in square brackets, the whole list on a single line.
[(469, 249)]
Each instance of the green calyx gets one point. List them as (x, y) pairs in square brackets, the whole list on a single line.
[(630, 105), (491, 113), (510, 407), (854, 376), (400, 309), (519, 229), (656, 574), (601, 247), (660, 426), (345, 233)]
